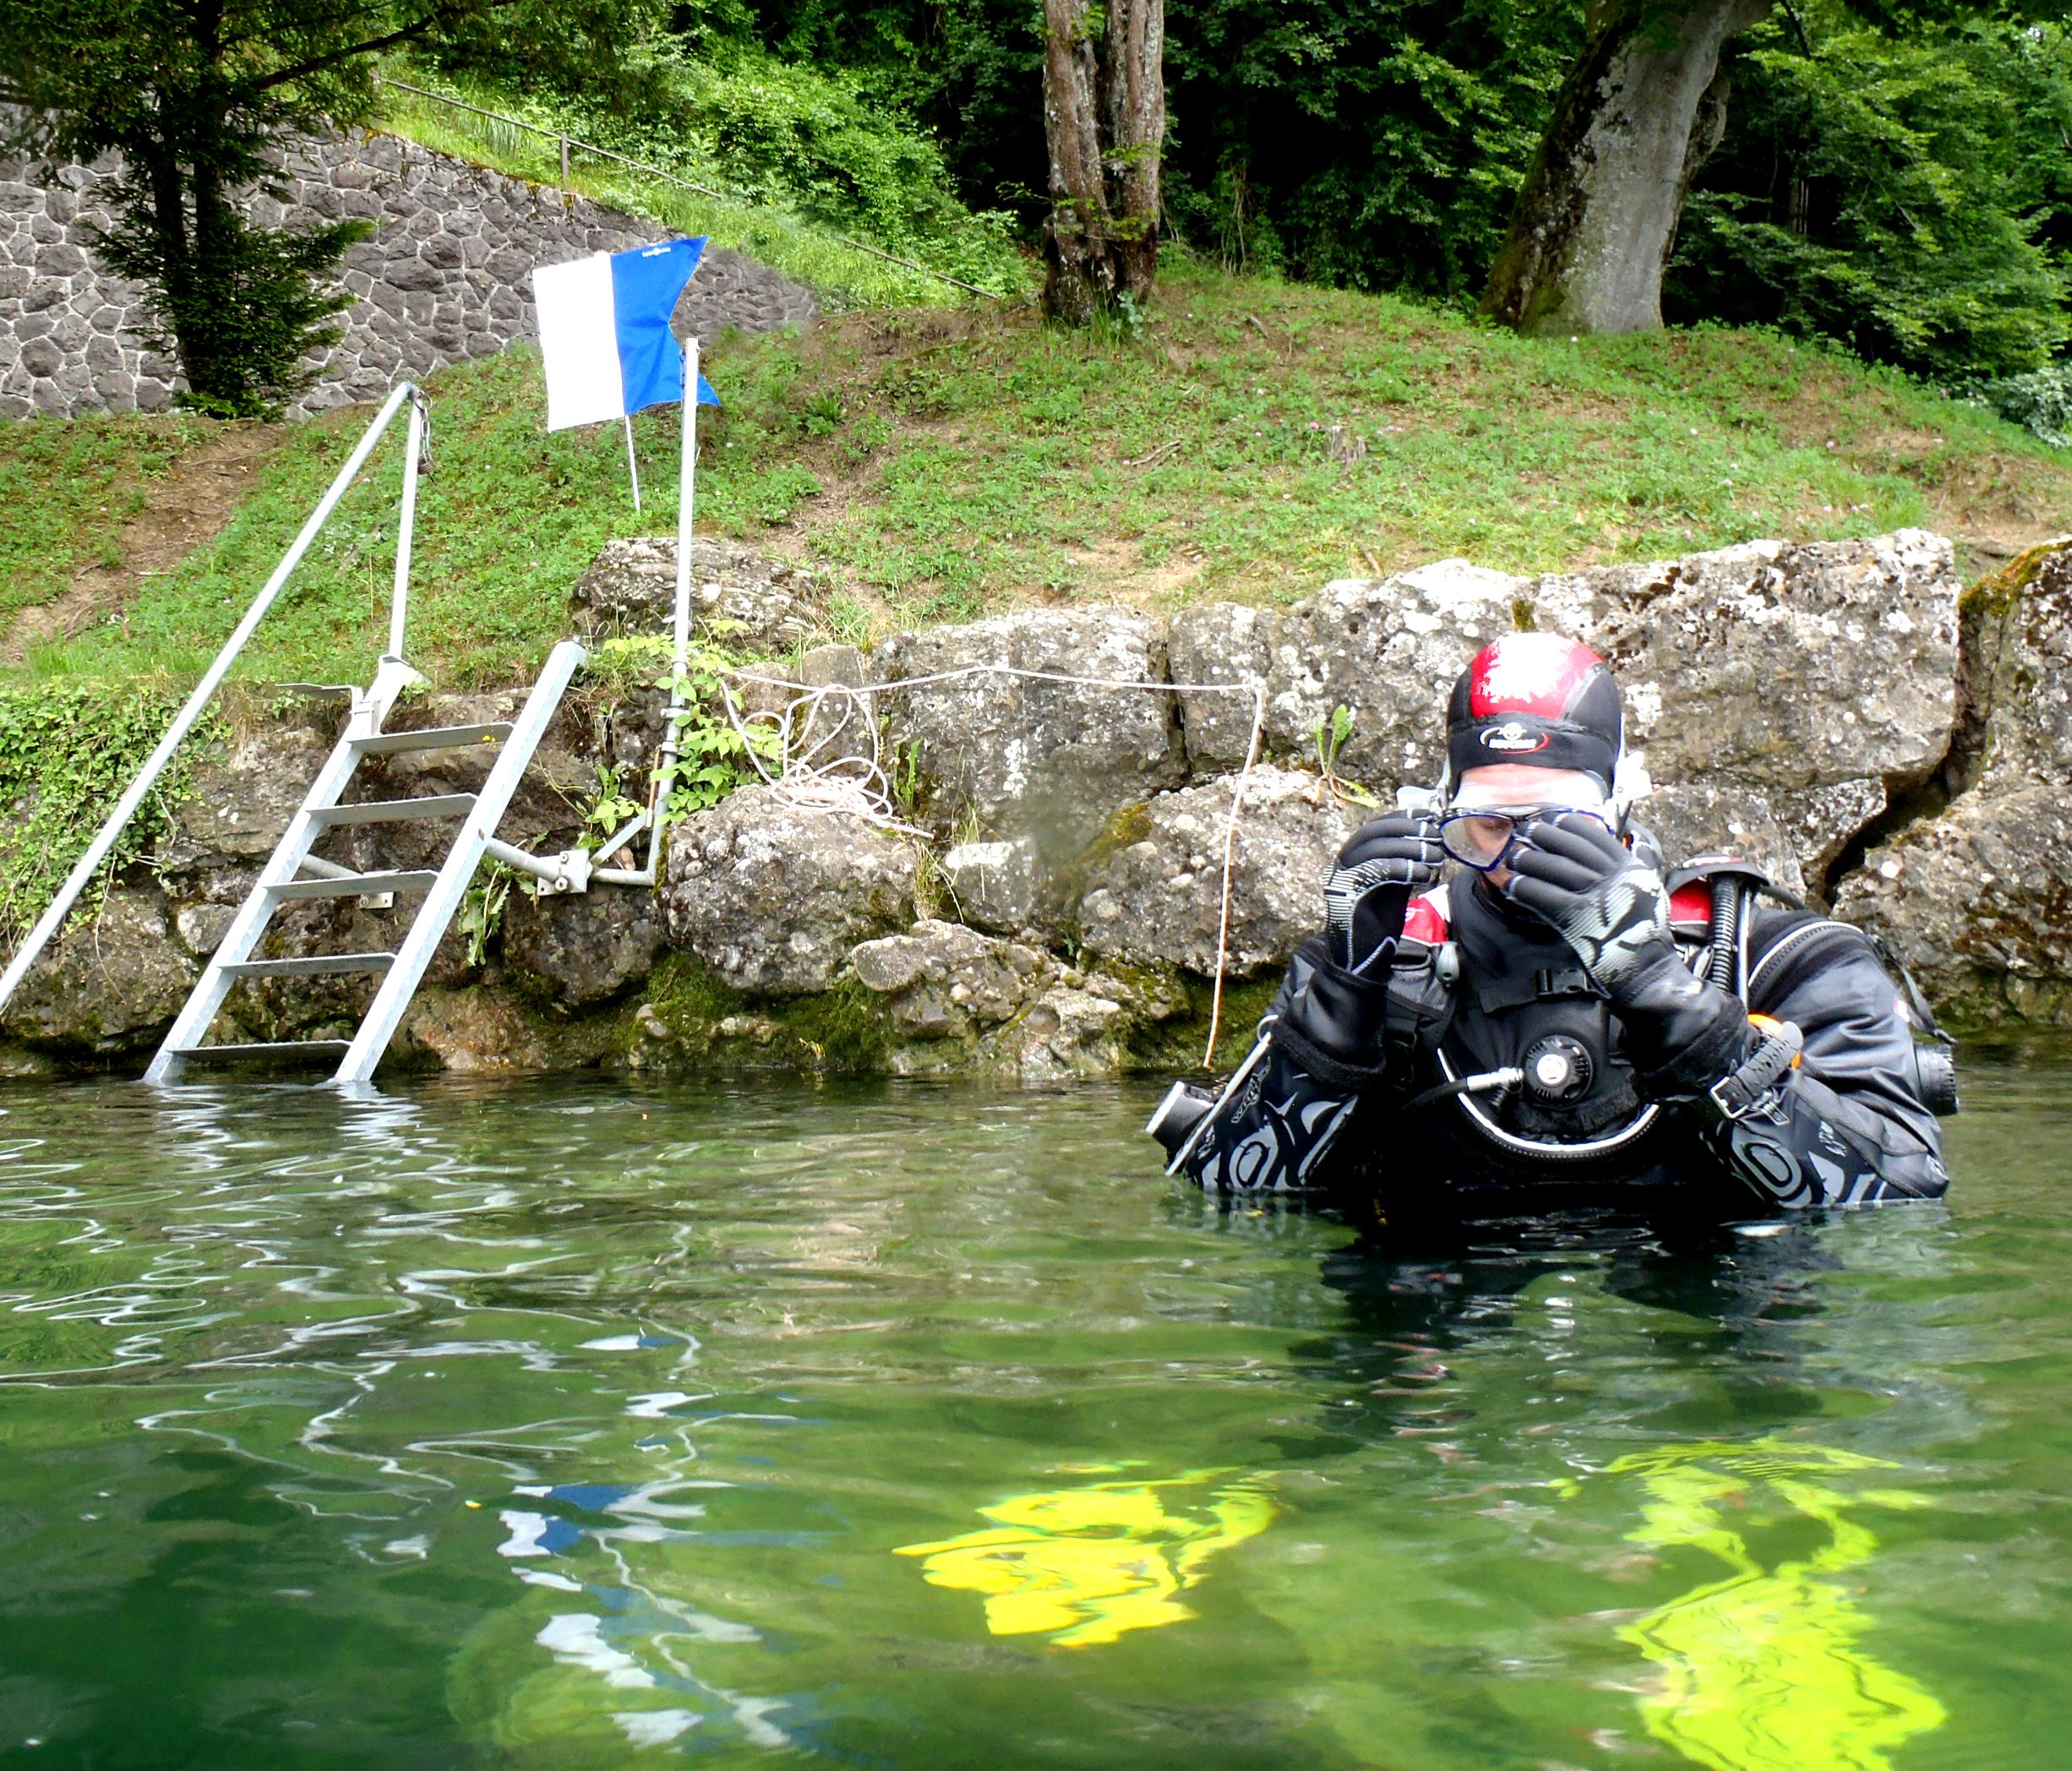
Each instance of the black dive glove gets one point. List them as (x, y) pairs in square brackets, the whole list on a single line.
[(1682, 1032), (1332, 1028), (1388, 862)]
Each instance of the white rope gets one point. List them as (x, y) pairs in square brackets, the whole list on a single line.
[(857, 785)]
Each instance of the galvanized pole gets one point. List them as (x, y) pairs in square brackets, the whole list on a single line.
[(89, 863), (686, 467), (407, 528)]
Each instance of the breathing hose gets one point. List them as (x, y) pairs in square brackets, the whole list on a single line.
[(1723, 961)]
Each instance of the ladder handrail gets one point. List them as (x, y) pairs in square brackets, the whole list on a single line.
[(60, 907)]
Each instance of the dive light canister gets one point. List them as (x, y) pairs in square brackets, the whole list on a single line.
[(1183, 1108)]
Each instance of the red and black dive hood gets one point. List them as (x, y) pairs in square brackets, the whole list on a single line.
[(1536, 699)]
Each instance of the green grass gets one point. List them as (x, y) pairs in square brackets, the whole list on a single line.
[(953, 462), (67, 490), (506, 521), (968, 462)]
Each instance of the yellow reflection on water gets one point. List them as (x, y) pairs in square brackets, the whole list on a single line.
[(1086, 1564), (1761, 1671)]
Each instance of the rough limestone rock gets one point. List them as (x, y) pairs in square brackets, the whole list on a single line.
[(962, 1003), (1821, 677), (1700, 818), (1156, 897), (752, 602), (772, 897), (109, 984), (943, 980), (1799, 704), (240, 798), (1792, 688), (1045, 763), (997, 885), (577, 951), (1978, 899), (479, 1033), (1387, 650)]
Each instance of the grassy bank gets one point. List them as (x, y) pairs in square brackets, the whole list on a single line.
[(1250, 441)]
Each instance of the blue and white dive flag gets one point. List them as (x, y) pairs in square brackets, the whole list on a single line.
[(604, 332)]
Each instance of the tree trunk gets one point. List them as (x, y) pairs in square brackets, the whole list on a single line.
[(1598, 213), (1105, 123)]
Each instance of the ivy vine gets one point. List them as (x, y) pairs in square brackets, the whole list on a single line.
[(66, 752)]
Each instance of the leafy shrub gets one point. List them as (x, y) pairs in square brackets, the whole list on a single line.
[(2041, 402), (1906, 197)]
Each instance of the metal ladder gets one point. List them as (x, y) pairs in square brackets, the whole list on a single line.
[(281, 880)]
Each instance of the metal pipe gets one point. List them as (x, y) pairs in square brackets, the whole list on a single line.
[(552, 869), (686, 474), (622, 838), (407, 528), (89, 863)]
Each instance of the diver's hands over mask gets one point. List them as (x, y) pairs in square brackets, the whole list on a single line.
[(1609, 907), (1682, 1032), (1389, 861)]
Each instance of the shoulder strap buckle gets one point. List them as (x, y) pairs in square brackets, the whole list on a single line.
[(1742, 1089)]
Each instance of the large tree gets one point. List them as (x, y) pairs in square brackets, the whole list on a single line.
[(196, 97), (1633, 122), (1105, 126)]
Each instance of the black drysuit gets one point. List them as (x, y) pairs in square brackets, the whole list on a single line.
[(1844, 1126)]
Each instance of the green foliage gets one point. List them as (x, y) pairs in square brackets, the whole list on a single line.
[(1374, 143), (1331, 737), (2041, 402), (1371, 143), (66, 752), (1195, 465), (482, 909), (797, 152), (244, 333), (507, 520), (611, 810), (714, 754), (1906, 195)]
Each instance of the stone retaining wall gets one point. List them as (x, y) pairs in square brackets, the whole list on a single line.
[(446, 276)]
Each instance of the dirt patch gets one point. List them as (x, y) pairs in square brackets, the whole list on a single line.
[(182, 509), (1116, 571)]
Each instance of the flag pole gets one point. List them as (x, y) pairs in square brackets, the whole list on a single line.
[(685, 467), (633, 467), (685, 471)]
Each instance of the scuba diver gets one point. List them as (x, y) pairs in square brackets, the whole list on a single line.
[(1562, 1024)]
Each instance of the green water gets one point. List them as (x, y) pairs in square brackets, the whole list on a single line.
[(554, 1425)]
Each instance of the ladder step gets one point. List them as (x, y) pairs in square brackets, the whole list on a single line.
[(433, 738), (307, 1050), (359, 886), (311, 965), (394, 811)]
